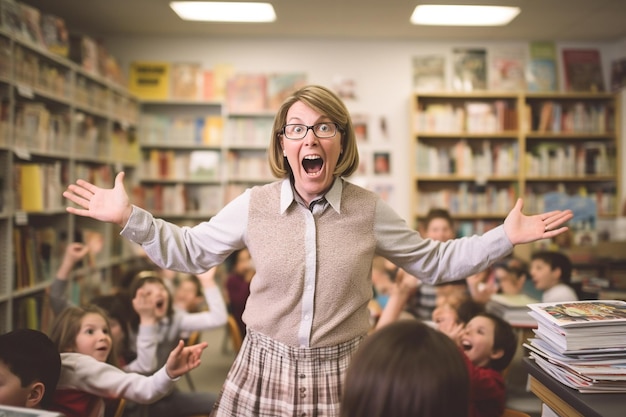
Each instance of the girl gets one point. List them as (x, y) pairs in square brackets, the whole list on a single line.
[(88, 370), (169, 325)]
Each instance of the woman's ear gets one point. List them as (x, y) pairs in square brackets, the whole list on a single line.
[(37, 390)]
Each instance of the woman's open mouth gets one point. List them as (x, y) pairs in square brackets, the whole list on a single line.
[(312, 164)]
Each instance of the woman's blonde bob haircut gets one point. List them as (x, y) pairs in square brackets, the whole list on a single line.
[(324, 101)]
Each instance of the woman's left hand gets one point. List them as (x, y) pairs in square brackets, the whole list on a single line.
[(525, 229)]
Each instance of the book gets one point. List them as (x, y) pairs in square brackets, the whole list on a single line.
[(512, 308), (246, 93), (30, 177), (582, 314), (31, 24), (8, 411), (618, 74), (185, 83), (11, 17), (55, 34), (541, 74), (506, 69), (150, 80), (429, 73), (583, 70), (469, 69), (281, 86)]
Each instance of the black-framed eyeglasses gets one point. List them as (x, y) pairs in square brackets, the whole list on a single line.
[(322, 130)]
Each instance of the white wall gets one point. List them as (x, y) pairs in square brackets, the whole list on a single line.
[(382, 71)]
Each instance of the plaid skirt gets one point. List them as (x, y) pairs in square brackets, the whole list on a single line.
[(271, 379)]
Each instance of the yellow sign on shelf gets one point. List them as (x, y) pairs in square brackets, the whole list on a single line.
[(150, 80)]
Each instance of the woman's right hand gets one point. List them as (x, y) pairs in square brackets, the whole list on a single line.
[(108, 205)]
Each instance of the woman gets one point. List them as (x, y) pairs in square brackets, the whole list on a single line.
[(313, 236)]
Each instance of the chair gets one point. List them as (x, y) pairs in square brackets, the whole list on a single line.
[(508, 412), (193, 339), (119, 410), (236, 337)]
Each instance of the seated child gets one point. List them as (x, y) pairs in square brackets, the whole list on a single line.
[(489, 344), (88, 371), (406, 369), (551, 273), (29, 369)]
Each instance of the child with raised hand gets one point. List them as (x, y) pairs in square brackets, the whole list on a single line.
[(29, 369), (488, 344), (156, 314), (88, 371)]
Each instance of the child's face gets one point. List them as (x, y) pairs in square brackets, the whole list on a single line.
[(445, 315), (477, 341), (508, 282), (158, 293), (544, 277), (439, 229), (11, 391), (186, 295), (93, 338)]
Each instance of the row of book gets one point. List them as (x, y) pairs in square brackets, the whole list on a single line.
[(179, 199), (181, 130), (570, 117), (568, 159), (477, 158), (470, 117), (50, 33), (534, 68), (469, 198), (39, 186)]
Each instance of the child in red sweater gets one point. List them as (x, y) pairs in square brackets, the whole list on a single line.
[(488, 344)]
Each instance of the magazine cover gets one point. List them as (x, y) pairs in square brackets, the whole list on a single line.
[(582, 313), (506, 69), (246, 93), (542, 72), (429, 73), (583, 70), (281, 86), (470, 69), (186, 81)]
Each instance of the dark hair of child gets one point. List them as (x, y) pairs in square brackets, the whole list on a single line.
[(406, 369), (556, 260), (503, 339), (142, 278), (468, 309), (32, 357), (437, 213)]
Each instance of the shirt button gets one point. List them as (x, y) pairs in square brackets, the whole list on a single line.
[(309, 287), (307, 317), (302, 389), (302, 376), (302, 395)]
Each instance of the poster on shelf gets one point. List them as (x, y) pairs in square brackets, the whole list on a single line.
[(541, 73), (150, 80), (583, 70), (469, 69), (429, 73), (506, 69)]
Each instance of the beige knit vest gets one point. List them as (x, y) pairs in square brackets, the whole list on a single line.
[(345, 247)]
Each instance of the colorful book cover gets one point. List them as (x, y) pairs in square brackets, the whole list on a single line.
[(429, 73), (506, 69), (581, 313), (281, 86), (186, 79), (246, 93), (583, 70), (541, 74), (618, 74), (469, 69), (150, 80)]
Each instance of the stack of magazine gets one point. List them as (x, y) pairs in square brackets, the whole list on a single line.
[(582, 344), (513, 308)]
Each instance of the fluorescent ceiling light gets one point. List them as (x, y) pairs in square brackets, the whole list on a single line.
[(210, 11), (456, 15)]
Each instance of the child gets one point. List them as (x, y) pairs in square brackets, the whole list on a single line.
[(88, 371), (551, 273), (406, 369), (169, 326), (188, 294), (489, 344), (29, 369), (240, 272)]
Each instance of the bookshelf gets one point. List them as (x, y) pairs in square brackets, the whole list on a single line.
[(475, 153), (58, 122), (195, 158)]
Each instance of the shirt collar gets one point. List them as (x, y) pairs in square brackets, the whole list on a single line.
[(333, 196)]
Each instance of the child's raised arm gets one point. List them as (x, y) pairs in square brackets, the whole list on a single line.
[(183, 359), (74, 252)]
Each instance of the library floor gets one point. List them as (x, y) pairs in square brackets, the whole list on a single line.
[(218, 357)]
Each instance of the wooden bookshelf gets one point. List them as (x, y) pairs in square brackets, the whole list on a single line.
[(476, 153), (58, 123)]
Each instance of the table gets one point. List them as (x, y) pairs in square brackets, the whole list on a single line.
[(568, 402)]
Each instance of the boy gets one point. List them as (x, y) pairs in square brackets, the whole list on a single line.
[(29, 369), (551, 273), (488, 344)]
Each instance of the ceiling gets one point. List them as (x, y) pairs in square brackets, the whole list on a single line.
[(558, 20)]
